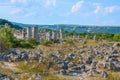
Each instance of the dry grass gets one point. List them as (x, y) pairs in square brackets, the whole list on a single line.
[(29, 69)]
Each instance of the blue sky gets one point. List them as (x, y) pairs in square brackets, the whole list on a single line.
[(82, 12)]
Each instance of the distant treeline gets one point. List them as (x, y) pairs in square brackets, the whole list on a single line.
[(3, 22), (99, 36), (102, 36)]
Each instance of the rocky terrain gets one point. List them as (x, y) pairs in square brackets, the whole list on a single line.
[(69, 62)]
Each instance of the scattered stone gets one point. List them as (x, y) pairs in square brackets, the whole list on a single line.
[(36, 77), (116, 44), (90, 73), (64, 65), (63, 71), (104, 74), (113, 66), (5, 77), (89, 60), (80, 62)]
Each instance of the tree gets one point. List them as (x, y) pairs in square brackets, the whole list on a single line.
[(6, 36), (3, 22)]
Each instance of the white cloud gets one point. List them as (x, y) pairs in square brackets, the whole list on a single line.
[(13, 1), (18, 10), (77, 6), (110, 9), (29, 14), (18, 1), (105, 9), (50, 3), (97, 10)]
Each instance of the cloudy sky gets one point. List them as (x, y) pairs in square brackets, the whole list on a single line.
[(83, 12)]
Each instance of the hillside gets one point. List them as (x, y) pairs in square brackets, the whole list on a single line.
[(3, 22), (77, 28), (67, 27)]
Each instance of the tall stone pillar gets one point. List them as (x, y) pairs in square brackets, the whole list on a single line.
[(29, 32), (48, 36), (54, 35), (94, 38), (61, 34), (23, 34), (35, 32)]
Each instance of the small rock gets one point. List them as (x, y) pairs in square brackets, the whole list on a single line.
[(63, 71), (104, 74)]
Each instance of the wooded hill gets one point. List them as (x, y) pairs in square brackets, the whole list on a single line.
[(3, 22)]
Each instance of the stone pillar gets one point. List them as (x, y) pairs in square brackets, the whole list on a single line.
[(41, 40), (23, 34), (54, 35), (29, 32), (73, 36), (78, 37), (48, 36), (86, 37), (61, 34), (35, 32), (58, 35), (94, 38)]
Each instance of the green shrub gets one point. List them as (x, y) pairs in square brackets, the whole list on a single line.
[(69, 41), (116, 37), (33, 41), (46, 43), (25, 45), (85, 42)]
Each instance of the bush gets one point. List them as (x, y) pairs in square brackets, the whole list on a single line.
[(46, 43), (116, 37), (69, 41), (85, 42), (32, 41), (6, 36), (25, 45), (55, 41)]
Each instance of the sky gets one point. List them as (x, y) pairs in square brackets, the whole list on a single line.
[(81, 12)]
